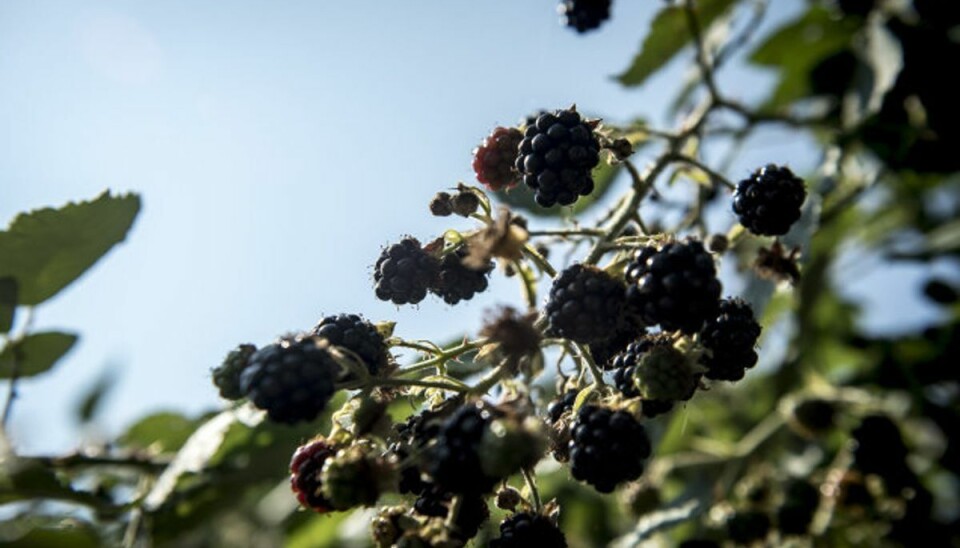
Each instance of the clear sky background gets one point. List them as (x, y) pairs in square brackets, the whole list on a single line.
[(277, 145)]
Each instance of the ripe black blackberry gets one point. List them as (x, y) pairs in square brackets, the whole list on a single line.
[(768, 202), (747, 527), (292, 380), (305, 468), (629, 330), (608, 447), (556, 157), (457, 282), (226, 377), (585, 304), (473, 511), (404, 271), (494, 161), (357, 335), (561, 405), (730, 336), (675, 286), (800, 503), (454, 460), (526, 529), (584, 15)]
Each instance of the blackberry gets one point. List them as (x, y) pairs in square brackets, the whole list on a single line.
[(561, 405), (473, 511), (658, 371), (292, 380), (525, 529), (730, 336), (800, 503), (457, 282), (357, 335), (305, 468), (584, 15), (494, 161), (465, 202), (624, 364), (675, 286), (454, 460), (556, 157), (608, 447), (747, 527), (629, 330), (768, 202), (585, 304), (404, 271), (226, 377), (441, 205)]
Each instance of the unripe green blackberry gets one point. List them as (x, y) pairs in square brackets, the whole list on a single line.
[(608, 447), (526, 530), (357, 335), (457, 282), (226, 377), (494, 160), (730, 336), (768, 202), (675, 286), (404, 271), (664, 373), (292, 380), (355, 476), (556, 157), (585, 304), (512, 443), (305, 469), (624, 365), (747, 527), (584, 15)]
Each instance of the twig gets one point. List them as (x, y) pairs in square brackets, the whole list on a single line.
[(532, 485)]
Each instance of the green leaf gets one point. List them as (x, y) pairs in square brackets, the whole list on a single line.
[(8, 303), (796, 48), (521, 196), (669, 33), (46, 249), (70, 534), (35, 353), (162, 432)]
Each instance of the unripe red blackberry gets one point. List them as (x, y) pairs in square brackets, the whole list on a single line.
[(292, 380), (608, 447), (584, 15), (457, 282), (675, 286), (357, 335), (526, 529), (585, 304), (355, 476), (305, 468), (730, 336), (226, 377), (494, 161), (768, 202), (404, 271), (454, 460), (556, 157)]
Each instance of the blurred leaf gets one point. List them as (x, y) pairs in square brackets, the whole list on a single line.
[(797, 47), (91, 401), (882, 52), (521, 196), (660, 520), (161, 432), (668, 34), (46, 249), (69, 535), (318, 532), (8, 303), (35, 353)]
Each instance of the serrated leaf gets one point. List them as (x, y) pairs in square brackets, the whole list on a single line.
[(796, 48), (669, 33), (35, 353), (8, 303), (521, 196), (46, 249)]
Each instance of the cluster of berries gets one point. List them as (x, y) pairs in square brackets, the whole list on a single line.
[(406, 271)]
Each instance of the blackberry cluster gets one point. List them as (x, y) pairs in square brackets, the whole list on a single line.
[(556, 156), (494, 161), (305, 468), (226, 377), (457, 282), (608, 447), (404, 272), (454, 460), (585, 304), (768, 202), (675, 286), (357, 335), (292, 380), (800, 503), (731, 337), (526, 529), (584, 15)]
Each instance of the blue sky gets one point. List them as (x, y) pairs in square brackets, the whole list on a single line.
[(277, 146)]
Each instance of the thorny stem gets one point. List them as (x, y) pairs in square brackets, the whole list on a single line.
[(417, 382), (568, 233), (703, 62), (425, 348), (528, 283), (586, 358), (79, 460), (531, 482), (539, 260), (715, 177), (442, 357), (492, 378)]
